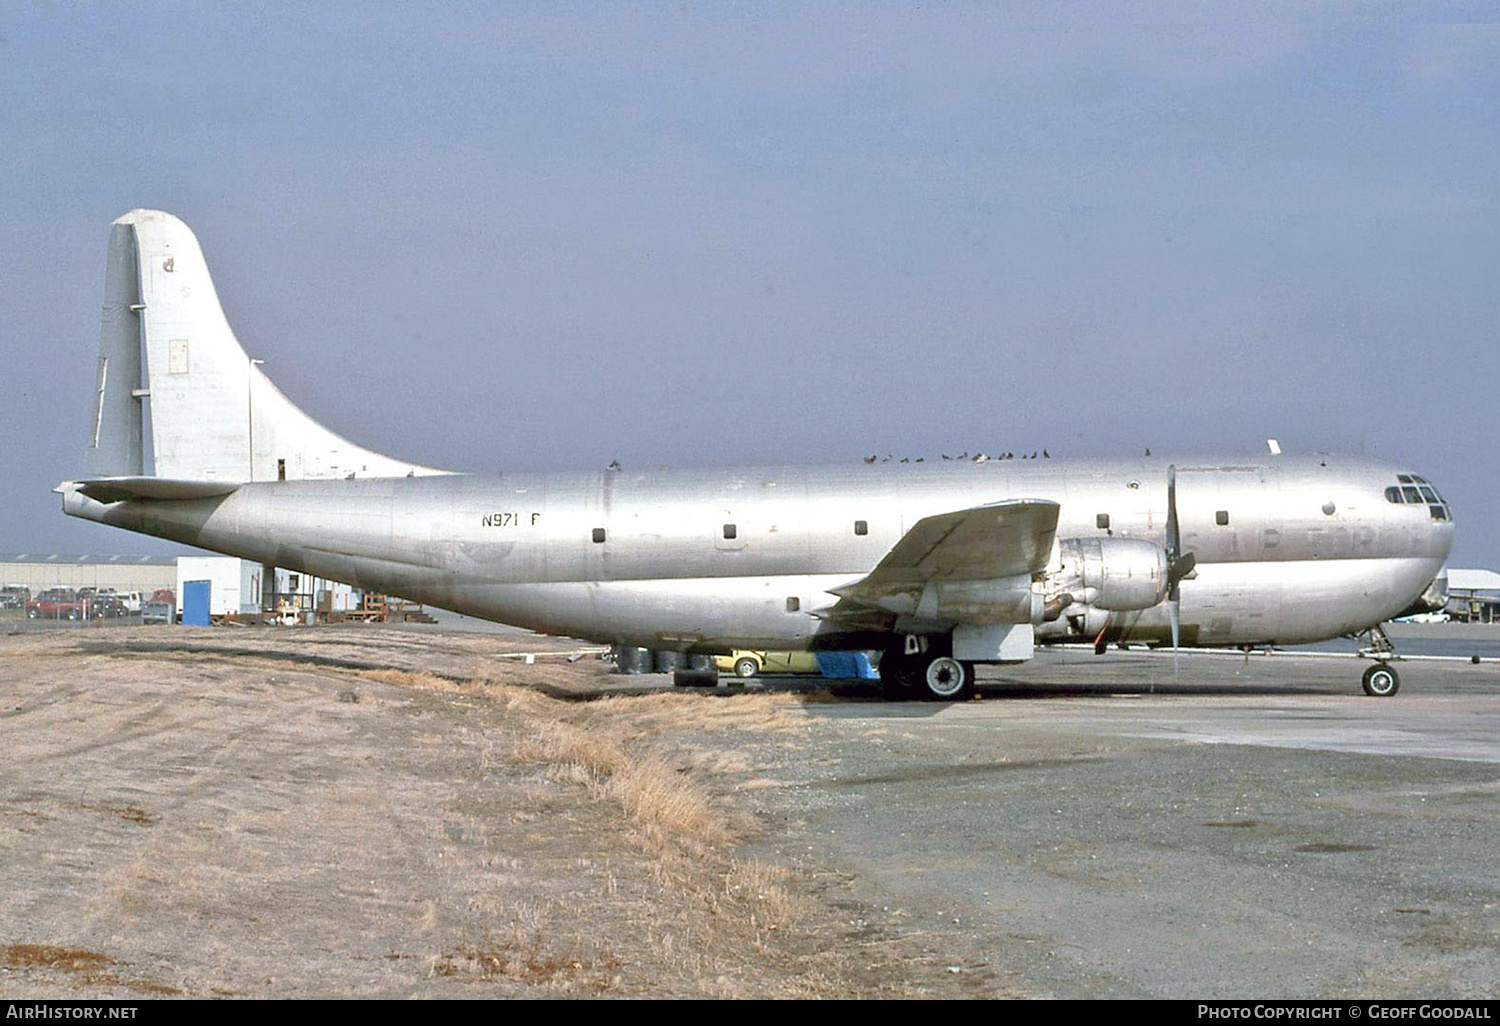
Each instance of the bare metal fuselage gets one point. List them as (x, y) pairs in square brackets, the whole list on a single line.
[(937, 564), (745, 558)]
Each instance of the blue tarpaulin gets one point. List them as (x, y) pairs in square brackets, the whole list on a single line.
[(846, 666)]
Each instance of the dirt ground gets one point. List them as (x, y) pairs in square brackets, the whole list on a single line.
[(378, 812)]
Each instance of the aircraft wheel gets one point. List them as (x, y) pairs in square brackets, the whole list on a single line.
[(1381, 680), (898, 676), (695, 678), (746, 667), (948, 680)]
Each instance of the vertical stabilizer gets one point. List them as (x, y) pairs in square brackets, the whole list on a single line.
[(214, 415), (115, 447)]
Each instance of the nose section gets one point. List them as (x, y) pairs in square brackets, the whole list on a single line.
[(1433, 599)]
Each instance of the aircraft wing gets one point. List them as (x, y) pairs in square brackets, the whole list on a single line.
[(1001, 539)]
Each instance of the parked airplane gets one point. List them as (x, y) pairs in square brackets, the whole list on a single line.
[(939, 565)]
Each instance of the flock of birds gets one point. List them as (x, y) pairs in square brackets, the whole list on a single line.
[(978, 457), (964, 457)]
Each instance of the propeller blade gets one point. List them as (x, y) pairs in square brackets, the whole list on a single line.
[(1174, 610), (1174, 537), (1179, 565)]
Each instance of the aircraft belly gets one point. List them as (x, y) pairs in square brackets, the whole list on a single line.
[(1301, 601), (699, 612)]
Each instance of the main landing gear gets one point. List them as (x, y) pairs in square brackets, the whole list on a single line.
[(924, 668)]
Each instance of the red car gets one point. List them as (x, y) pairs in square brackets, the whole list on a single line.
[(58, 604)]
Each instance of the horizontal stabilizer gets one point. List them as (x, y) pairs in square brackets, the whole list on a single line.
[(124, 489)]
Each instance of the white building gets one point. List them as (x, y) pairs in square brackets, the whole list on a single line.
[(40, 570)]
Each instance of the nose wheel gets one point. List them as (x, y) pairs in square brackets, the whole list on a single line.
[(1381, 680)]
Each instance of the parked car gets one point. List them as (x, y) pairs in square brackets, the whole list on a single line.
[(14, 597), (58, 604), (751, 664), (159, 611), (107, 605)]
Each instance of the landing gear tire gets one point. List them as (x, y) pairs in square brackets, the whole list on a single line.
[(1381, 681), (945, 679), (695, 678), (898, 676), (746, 667)]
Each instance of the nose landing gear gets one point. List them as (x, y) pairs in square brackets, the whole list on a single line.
[(1380, 680)]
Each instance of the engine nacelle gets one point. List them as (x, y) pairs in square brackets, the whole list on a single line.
[(1117, 574)]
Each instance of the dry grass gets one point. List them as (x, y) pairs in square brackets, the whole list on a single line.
[(89, 966), (763, 889), (48, 956), (669, 806), (526, 957), (637, 752), (607, 746), (673, 711), (670, 809)]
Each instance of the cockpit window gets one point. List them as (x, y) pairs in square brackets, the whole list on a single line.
[(1416, 491)]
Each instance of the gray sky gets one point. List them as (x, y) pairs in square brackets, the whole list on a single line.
[(692, 234)]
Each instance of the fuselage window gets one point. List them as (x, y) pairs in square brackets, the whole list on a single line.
[(793, 604), (598, 534), (861, 527), (1102, 521), (1222, 518), (730, 531)]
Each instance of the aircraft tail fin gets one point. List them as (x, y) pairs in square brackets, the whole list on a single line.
[(213, 414)]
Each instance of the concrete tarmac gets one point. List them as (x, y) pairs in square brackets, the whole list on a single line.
[(1107, 827)]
